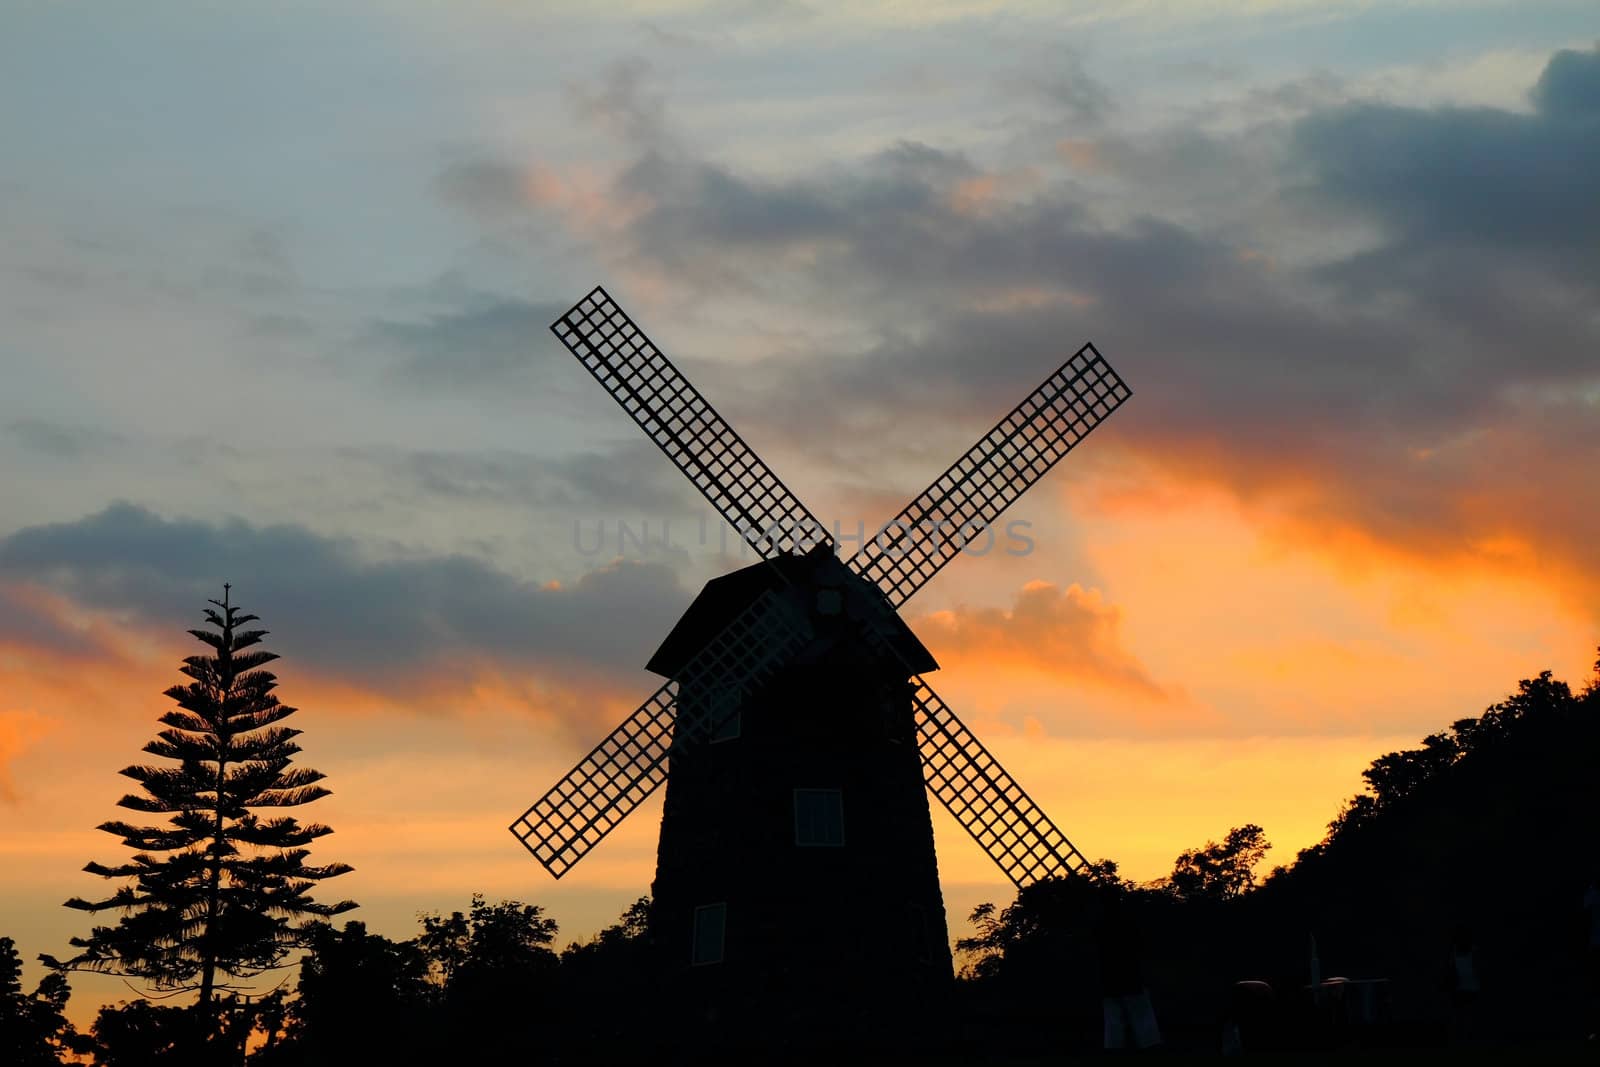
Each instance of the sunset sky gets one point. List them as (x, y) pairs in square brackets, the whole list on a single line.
[(275, 285)]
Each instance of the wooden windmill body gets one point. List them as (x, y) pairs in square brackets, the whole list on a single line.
[(796, 860)]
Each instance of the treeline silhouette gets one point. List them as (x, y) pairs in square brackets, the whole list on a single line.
[(1482, 842), (1475, 846), (481, 986)]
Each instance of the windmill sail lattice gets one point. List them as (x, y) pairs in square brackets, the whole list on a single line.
[(931, 530), (618, 774), (684, 425), (631, 763), (985, 800)]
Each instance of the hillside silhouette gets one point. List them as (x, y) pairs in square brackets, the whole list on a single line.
[(1482, 840)]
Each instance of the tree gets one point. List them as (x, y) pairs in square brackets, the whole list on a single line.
[(1397, 775), (139, 1033), (489, 943), (33, 1027), (1030, 936), (630, 932), (615, 966), (491, 966), (1220, 871), (221, 888), (362, 998)]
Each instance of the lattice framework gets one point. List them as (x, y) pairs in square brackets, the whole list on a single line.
[(618, 774), (1021, 448), (986, 801), (592, 798), (684, 425)]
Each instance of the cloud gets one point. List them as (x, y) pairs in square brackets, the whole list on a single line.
[(19, 731), (1409, 357), (1569, 88), (1070, 632), (62, 441), (487, 186), (1395, 344), (34, 619), (1502, 185), (486, 343), (632, 478), (623, 102), (1076, 98), (387, 624)]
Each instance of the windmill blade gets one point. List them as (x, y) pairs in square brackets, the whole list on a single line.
[(994, 809), (684, 425), (613, 779), (972, 493), (618, 774)]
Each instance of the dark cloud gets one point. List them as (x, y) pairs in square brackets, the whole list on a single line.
[(62, 440), (1478, 179), (630, 479), (28, 621), (484, 186), (1378, 390), (382, 623), (254, 265), (623, 101), (1076, 97), (700, 207), (1569, 88), (487, 342)]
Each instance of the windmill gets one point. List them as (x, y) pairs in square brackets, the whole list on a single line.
[(795, 733)]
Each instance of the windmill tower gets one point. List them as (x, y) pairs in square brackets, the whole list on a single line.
[(795, 733)]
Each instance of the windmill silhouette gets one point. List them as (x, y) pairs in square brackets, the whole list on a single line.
[(795, 734)]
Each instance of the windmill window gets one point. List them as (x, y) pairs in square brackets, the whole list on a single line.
[(710, 931), (725, 724), (818, 818)]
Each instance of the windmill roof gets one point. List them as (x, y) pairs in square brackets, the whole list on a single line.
[(724, 598)]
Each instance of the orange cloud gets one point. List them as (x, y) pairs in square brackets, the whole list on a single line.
[(983, 192), (584, 197), (1484, 505), (18, 732), (1071, 632), (1085, 155), (1292, 629)]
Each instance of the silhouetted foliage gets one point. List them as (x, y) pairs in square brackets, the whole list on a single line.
[(615, 966), (144, 1034), (488, 966), (1220, 871), (1489, 825), (1517, 727), (483, 983), (33, 1027), (621, 938), (220, 888), (491, 941), (362, 998), (1036, 930)]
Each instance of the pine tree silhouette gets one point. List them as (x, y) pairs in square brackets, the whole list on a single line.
[(220, 888)]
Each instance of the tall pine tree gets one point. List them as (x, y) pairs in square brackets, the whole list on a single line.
[(219, 890)]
